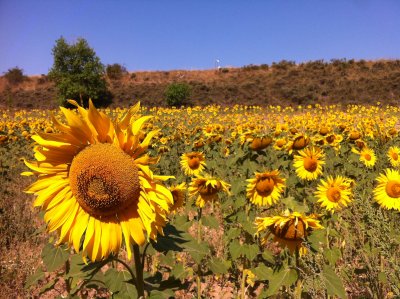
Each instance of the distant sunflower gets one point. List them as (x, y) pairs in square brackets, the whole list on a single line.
[(95, 185), (289, 230), (280, 144), (393, 155), (206, 189), (193, 163), (387, 192), (367, 156), (334, 193), (266, 188), (178, 194), (309, 163)]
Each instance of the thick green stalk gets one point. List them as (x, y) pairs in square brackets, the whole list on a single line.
[(198, 279), (243, 284), (139, 271)]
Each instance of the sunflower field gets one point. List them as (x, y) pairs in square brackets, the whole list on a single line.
[(206, 202)]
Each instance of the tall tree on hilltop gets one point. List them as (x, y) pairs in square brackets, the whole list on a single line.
[(78, 73)]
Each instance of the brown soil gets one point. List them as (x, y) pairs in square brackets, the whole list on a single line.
[(283, 83)]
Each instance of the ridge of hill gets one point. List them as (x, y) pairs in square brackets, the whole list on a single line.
[(339, 81)]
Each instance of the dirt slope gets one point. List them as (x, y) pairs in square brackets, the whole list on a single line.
[(284, 83)]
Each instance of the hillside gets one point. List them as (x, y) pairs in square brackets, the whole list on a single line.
[(284, 83)]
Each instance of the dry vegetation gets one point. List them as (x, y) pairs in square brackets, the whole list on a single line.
[(283, 83)]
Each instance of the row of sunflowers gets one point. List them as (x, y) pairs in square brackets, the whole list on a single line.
[(260, 201)]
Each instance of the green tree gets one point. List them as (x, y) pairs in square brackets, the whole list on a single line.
[(78, 73), (177, 94)]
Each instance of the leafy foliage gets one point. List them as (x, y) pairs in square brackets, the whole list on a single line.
[(78, 73), (115, 71), (177, 94), (15, 75)]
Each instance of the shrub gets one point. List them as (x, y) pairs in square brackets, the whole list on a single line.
[(115, 71), (177, 94), (15, 75)]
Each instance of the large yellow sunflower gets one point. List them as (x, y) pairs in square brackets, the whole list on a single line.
[(95, 185), (309, 163), (387, 192), (289, 230), (206, 189), (334, 193), (393, 155), (266, 188), (193, 163)]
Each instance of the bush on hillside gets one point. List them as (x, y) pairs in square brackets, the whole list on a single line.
[(115, 71), (177, 94), (15, 75)]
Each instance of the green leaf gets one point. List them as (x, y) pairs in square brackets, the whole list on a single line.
[(235, 249), (54, 257), (210, 221), (48, 286), (263, 272), (168, 259), (268, 256), (333, 283), (292, 204), (197, 250), (182, 222), (231, 234), (286, 277), (237, 188), (165, 294), (239, 202), (178, 271), (249, 227), (219, 266), (113, 280), (250, 251), (316, 239), (75, 266), (33, 278), (332, 255), (128, 290), (382, 277)]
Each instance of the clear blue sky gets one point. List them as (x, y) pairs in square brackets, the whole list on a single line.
[(189, 34)]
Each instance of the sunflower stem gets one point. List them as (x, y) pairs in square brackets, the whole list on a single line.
[(139, 271), (243, 284), (198, 279), (199, 226), (299, 283), (144, 254)]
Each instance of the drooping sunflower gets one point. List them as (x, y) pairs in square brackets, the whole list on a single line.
[(178, 194), (289, 230), (206, 189), (367, 156), (387, 192), (298, 142), (308, 163), (94, 182), (266, 188), (334, 193), (193, 163), (393, 155)]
